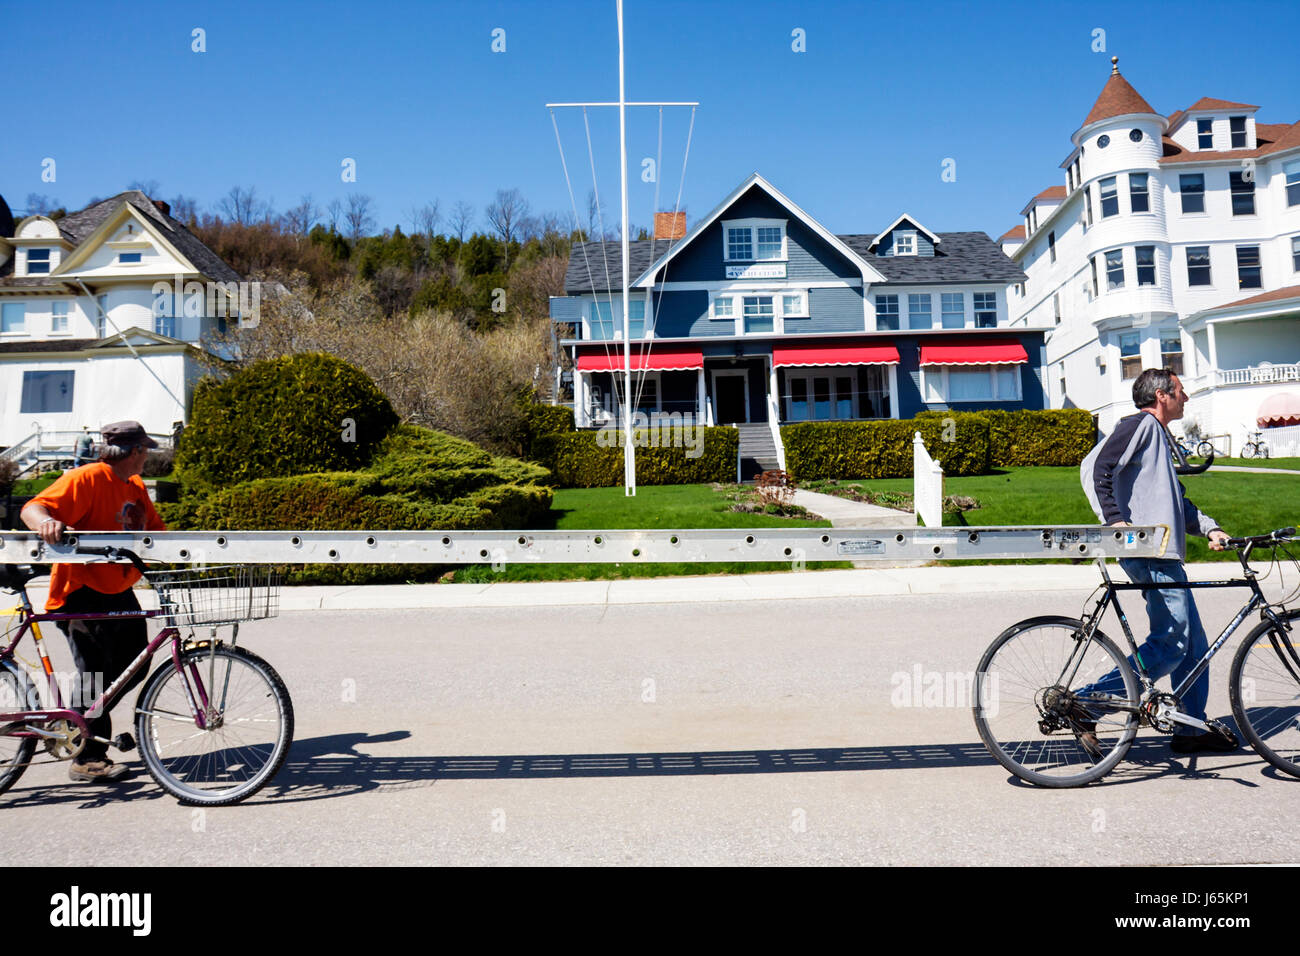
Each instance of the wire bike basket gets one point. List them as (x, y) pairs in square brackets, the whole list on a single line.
[(217, 595)]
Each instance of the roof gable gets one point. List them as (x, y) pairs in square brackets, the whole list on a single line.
[(912, 222), (755, 181)]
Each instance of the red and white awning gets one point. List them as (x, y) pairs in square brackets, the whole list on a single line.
[(1278, 410), (656, 360), (982, 352), (785, 356)]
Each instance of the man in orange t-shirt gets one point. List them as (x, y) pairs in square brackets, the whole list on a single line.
[(106, 495)]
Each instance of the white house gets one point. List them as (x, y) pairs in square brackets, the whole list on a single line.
[(87, 334), (1174, 241)]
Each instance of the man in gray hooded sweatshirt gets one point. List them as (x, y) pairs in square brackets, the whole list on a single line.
[(1130, 479)]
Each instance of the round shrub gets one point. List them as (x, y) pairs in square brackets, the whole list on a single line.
[(281, 417)]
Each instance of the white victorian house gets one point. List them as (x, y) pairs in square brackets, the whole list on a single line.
[(87, 334), (1174, 241)]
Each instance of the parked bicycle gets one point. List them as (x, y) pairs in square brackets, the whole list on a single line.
[(213, 723), (1255, 446), (1030, 718)]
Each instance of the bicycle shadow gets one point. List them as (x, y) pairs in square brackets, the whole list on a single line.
[(339, 765)]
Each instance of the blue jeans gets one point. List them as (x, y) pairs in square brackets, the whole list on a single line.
[(1177, 640)]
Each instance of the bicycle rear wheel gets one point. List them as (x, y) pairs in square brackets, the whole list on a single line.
[(1204, 449), (1264, 688), (249, 726), (1026, 708), (16, 694), (1249, 450)]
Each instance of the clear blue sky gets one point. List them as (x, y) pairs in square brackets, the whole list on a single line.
[(854, 129)]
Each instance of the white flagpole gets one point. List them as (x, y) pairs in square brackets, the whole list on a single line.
[(629, 453)]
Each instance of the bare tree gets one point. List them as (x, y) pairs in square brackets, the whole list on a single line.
[(184, 208), (424, 219), (150, 187), (241, 205), (506, 214), (302, 217), (462, 219), (335, 212), (358, 215), (39, 204)]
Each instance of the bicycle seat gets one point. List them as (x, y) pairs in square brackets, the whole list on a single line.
[(14, 577)]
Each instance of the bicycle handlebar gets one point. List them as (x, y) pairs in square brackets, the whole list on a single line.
[(1280, 536), (111, 552)]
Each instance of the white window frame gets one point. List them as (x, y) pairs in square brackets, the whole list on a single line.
[(934, 384), (593, 316), (21, 327), (753, 225), (55, 315), (779, 315), (965, 318), (48, 261), (1291, 177), (930, 310), (1114, 195), (997, 314), (910, 236)]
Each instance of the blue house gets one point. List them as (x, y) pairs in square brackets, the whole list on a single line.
[(759, 317)]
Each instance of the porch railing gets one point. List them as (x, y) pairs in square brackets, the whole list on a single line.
[(1263, 374)]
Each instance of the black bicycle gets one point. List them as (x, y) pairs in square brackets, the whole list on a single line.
[(1034, 719)]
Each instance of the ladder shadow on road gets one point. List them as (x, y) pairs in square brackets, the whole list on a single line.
[(337, 765)]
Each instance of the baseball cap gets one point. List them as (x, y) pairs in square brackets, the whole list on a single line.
[(126, 434)]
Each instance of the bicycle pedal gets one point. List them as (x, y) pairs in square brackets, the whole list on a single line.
[(124, 742)]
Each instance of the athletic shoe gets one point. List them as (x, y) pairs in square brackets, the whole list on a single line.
[(96, 771), (1214, 741)]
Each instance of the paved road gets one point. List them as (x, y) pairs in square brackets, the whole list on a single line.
[(743, 732)]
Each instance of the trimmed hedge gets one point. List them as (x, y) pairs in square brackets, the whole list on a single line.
[(419, 480), (883, 448), (539, 422), (1025, 437), (288, 416), (578, 460)]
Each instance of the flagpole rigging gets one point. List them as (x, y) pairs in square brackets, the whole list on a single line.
[(629, 451)]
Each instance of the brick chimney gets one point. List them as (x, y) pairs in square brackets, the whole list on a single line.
[(670, 225), (162, 206)]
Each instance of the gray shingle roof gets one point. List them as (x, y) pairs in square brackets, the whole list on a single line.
[(77, 226), (607, 258), (48, 345), (960, 257)]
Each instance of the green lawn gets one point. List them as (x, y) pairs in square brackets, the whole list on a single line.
[(654, 506), (32, 486), (1242, 503)]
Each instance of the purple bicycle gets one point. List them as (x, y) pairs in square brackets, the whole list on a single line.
[(214, 722)]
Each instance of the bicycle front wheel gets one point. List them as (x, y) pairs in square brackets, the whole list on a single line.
[(248, 725), (1204, 449), (16, 694), (1031, 714), (1249, 450), (1264, 688)]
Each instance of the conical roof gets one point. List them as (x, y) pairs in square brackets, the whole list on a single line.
[(1117, 98)]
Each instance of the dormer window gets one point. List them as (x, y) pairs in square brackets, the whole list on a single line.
[(1204, 134), (905, 243), (38, 262), (1237, 126), (754, 240), (128, 258)]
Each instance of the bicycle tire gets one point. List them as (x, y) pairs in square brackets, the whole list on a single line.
[(1264, 689), (1204, 449), (1022, 665), (16, 693), (1249, 450), (216, 766)]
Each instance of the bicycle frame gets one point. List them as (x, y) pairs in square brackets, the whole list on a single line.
[(195, 691), (1110, 596)]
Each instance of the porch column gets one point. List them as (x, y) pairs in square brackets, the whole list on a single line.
[(580, 400), (773, 398), (701, 399), (1214, 355)]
